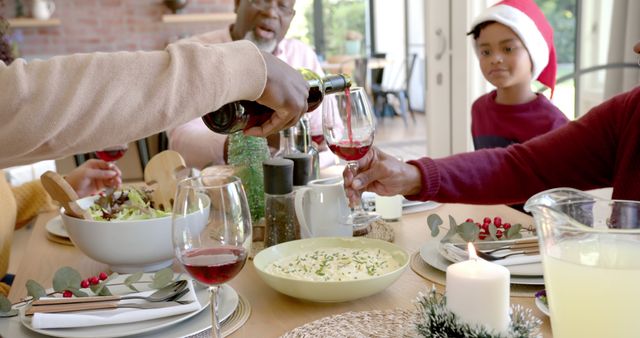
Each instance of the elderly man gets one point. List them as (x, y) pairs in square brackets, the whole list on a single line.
[(265, 23)]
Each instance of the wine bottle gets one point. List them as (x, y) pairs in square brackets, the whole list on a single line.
[(241, 115)]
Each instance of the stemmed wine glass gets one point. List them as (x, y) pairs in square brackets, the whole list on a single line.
[(112, 154), (211, 232), (348, 130)]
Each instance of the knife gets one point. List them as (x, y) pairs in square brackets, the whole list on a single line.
[(99, 306)]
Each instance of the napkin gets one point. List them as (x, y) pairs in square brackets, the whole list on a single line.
[(114, 316), (457, 254)]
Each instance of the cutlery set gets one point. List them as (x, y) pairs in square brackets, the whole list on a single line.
[(495, 252), (165, 297)]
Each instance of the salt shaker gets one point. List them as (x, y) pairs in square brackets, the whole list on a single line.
[(280, 216)]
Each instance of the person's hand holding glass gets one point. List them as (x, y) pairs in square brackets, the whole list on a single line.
[(349, 131), (212, 232)]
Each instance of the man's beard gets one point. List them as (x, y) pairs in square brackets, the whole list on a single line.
[(267, 46)]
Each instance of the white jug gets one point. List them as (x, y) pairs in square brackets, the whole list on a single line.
[(43, 9), (322, 209)]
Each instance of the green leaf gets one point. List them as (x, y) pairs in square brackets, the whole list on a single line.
[(10, 313), (133, 278), (78, 293), (468, 231), (434, 222), (514, 231), (34, 289), (162, 278), (452, 230), (111, 277), (5, 304), (493, 232), (66, 278)]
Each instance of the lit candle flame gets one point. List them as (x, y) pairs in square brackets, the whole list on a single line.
[(472, 251)]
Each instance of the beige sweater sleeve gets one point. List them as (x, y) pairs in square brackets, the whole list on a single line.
[(83, 102)]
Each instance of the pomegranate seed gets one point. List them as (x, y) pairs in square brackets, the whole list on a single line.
[(67, 294), (469, 220), (94, 280), (103, 276), (507, 226), (497, 221), (84, 283)]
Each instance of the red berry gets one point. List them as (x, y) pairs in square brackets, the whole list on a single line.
[(486, 220), (67, 294), (499, 233), (103, 276), (84, 283), (507, 226), (94, 280), (497, 221), (482, 236), (485, 227), (469, 220)]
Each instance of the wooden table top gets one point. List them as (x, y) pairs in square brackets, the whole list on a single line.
[(274, 314)]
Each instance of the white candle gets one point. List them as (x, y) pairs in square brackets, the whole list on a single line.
[(477, 292)]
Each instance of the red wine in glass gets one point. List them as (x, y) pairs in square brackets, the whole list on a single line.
[(111, 155), (350, 151), (318, 139), (213, 266)]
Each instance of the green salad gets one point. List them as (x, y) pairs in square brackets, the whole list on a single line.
[(128, 204)]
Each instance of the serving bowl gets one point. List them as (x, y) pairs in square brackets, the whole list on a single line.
[(127, 246), (328, 291)]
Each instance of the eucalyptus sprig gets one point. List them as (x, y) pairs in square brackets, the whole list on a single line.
[(469, 231), (68, 279)]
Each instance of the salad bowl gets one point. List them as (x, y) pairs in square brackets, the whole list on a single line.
[(126, 245)]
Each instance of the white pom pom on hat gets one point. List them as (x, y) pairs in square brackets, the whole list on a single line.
[(526, 19)]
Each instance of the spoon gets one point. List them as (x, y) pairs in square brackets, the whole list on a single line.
[(60, 190), (169, 292), (162, 171)]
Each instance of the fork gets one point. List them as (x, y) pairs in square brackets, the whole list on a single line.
[(492, 257), (100, 306)]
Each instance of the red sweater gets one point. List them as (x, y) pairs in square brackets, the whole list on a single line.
[(500, 125), (601, 149)]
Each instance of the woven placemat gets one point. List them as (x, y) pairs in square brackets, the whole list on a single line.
[(426, 271), (233, 322), (389, 323)]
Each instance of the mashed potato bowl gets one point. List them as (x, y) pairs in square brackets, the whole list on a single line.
[(127, 246), (328, 291)]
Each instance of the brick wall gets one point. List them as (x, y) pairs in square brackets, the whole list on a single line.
[(109, 25)]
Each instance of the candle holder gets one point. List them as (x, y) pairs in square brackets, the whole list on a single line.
[(436, 320)]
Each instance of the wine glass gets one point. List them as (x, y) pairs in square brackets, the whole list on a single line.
[(211, 232), (112, 154), (348, 130)]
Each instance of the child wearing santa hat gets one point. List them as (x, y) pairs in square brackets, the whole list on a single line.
[(514, 44)]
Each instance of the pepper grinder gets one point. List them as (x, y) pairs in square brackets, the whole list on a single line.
[(280, 216)]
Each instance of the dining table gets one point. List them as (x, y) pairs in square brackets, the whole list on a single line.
[(272, 313)]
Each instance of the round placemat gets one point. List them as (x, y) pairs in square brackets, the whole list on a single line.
[(389, 323), (233, 322), (426, 271)]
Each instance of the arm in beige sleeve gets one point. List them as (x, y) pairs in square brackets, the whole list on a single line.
[(83, 102), (198, 145)]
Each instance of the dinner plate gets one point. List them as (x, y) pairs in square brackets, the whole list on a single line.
[(529, 270), (55, 226), (228, 303), (429, 253)]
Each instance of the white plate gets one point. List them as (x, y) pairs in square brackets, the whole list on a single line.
[(55, 226), (228, 303), (528, 270), (542, 306), (429, 253)]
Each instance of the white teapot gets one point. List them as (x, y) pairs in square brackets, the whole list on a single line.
[(43, 9), (322, 209)]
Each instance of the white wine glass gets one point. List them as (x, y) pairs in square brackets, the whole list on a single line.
[(349, 130), (211, 232)]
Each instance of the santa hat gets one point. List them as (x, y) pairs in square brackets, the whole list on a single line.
[(529, 23)]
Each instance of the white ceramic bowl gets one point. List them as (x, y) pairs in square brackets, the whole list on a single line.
[(328, 291), (126, 246)]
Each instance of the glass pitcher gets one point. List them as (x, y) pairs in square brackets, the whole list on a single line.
[(591, 257)]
